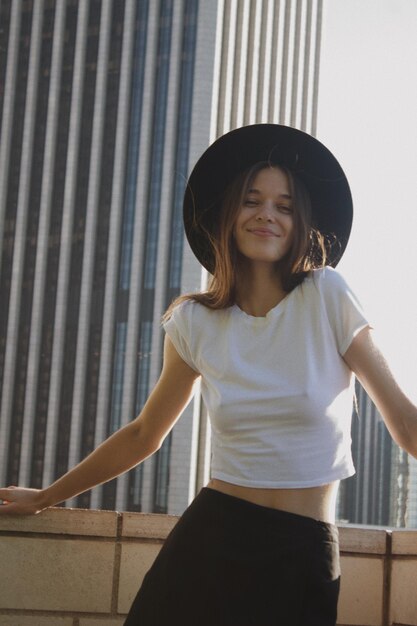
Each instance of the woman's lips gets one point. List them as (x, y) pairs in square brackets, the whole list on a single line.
[(263, 232)]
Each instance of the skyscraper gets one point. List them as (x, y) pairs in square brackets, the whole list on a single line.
[(412, 494), (97, 123), (378, 493), (105, 106)]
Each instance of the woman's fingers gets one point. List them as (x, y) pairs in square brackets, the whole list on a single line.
[(19, 501)]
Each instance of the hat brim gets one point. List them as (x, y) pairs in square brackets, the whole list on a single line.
[(301, 153)]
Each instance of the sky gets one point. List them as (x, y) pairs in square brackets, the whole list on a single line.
[(367, 116)]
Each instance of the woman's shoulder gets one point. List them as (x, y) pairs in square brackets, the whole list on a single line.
[(328, 278), (180, 310), (190, 309), (327, 286)]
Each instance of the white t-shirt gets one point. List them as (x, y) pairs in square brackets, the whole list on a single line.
[(278, 393)]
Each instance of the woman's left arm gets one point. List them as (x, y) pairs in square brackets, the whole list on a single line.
[(369, 365)]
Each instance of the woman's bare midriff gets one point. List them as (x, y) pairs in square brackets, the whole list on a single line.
[(316, 502)]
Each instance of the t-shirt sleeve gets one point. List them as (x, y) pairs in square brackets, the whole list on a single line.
[(178, 329), (344, 310)]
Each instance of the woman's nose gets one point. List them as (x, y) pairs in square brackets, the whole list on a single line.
[(265, 212)]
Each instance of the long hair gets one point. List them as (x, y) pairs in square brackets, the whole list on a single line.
[(307, 252)]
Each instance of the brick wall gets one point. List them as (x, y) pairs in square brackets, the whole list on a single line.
[(70, 567)]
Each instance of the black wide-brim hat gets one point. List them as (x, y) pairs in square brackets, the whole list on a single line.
[(302, 154)]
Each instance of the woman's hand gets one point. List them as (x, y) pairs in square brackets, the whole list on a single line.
[(21, 501)]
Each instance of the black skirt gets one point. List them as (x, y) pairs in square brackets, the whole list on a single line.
[(229, 562)]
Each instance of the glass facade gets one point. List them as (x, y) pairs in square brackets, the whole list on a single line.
[(54, 241), (86, 42), (173, 287), (31, 216), (153, 204), (372, 495)]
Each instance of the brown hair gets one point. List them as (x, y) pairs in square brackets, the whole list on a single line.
[(308, 249)]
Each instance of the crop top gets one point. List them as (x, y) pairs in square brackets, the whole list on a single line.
[(278, 393)]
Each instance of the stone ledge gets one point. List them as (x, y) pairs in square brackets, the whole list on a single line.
[(53, 574), (63, 521), (404, 542), (83, 567), (147, 525), (359, 574), (32, 620), (363, 539)]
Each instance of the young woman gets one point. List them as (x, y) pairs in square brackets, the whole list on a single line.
[(276, 339)]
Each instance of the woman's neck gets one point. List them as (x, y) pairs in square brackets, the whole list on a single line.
[(258, 289)]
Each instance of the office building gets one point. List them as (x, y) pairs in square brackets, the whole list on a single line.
[(378, 493), (100, 106)]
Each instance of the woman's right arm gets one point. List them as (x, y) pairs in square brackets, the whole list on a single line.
[(124, 449)]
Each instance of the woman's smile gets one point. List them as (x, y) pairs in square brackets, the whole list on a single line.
[(262, 232)]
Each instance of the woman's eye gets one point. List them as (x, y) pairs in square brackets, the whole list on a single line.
[(285, 209), (249, 202)]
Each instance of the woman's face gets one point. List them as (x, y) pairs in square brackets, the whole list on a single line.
[(264, 227)]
